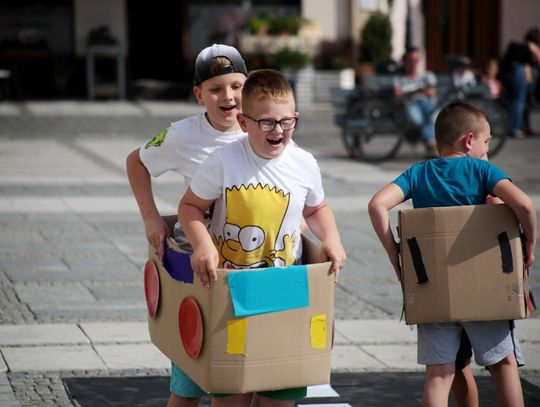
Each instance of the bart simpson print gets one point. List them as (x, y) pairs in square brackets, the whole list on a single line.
[(254, 218)]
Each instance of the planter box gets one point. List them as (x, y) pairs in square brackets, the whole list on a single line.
[(270, 44), (312, 86)]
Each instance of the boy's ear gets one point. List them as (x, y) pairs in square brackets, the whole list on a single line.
[(242, 122), (467, 141), (198, 95)]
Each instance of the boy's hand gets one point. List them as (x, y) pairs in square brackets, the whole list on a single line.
[(204, 262), (334, 252), (394, 259), (156, 232), (529, 253)]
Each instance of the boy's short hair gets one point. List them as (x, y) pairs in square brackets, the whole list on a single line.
[(456, 119), (218, 59), (263, 84)]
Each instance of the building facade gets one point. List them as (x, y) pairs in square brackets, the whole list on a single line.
[(44, 44)]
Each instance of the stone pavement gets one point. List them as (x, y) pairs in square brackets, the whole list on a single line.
[(72, 247)]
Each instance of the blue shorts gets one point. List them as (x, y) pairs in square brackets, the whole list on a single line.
[(182, 385), (491, 342)]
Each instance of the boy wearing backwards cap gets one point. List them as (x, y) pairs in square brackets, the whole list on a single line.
[(220, 73)]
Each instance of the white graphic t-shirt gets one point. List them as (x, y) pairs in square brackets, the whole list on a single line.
[(259, 203), (184, 146)]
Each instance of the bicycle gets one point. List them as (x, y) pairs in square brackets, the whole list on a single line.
[(375, 125)]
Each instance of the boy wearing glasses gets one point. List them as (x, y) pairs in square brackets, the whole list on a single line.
[(261, 187)]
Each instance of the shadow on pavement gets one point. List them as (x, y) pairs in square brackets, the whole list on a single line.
[(389, 389)]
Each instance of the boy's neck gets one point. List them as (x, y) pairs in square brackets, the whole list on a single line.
[(452, 153), (222, 129)]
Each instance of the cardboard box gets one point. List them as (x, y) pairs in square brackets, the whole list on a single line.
[(461, 264), (275, 350)]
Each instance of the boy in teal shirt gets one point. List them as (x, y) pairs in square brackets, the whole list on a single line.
[(460, 177)]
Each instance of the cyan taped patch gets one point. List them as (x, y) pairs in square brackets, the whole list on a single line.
[(270, 290)]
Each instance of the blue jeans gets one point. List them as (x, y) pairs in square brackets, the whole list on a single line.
[(420, 112), (515, 93)]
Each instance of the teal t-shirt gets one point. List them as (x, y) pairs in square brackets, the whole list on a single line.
[(449, 182)]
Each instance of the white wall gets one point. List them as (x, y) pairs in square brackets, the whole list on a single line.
[(331, 15), (398, 17), (517, 17), (90, 14)]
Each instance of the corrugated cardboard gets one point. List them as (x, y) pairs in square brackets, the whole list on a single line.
[(463, 261), (278, 347)]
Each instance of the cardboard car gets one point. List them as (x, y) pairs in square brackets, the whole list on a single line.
[(462, 263), (252, 330)]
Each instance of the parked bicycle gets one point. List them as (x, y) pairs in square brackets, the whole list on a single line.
[(374, 125)]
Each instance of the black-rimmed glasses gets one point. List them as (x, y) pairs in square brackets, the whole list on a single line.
[(287, 123)]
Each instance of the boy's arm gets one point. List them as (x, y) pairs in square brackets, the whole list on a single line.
[(524, 209), (322, 223), (205, 258), (378, 207), (141, 184)]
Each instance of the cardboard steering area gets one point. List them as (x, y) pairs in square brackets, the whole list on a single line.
[(252, 330)]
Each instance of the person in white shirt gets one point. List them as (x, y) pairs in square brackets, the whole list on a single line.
[(260, 188), (220, 73)]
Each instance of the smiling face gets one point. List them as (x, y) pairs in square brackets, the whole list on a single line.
[(268, 144), (222, 97)]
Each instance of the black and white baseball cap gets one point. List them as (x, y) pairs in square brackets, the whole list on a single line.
[(205, 57)]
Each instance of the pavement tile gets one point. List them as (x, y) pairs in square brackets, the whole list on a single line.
[(76, 108), (9, 109), (42, 334), (339, 339), (127, 295), (52, 358), (174, 109), (376, 331), (528, 330), (136, 356), (351, 358), (60, 296), (99, 312), (125, 332), (67, 204), (394, 356), (531, 353)]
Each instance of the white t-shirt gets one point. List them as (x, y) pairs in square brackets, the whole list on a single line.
[(184, 146), (409, 85), (259, 203), (465, 80)]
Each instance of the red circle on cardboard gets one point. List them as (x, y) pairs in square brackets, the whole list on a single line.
[(151, 287), (190, 324)]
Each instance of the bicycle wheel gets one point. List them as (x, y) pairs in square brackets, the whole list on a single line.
[(498, 121), (371, 131)]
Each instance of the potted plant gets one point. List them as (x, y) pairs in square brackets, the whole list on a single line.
[(287, 58), (375, 42), (296, 67), (260, 24)]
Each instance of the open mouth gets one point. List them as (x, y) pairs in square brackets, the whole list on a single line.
[(229, 265), (274, 142), (228, 108)]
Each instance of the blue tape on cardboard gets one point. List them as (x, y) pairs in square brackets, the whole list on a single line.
[(269, 290)]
